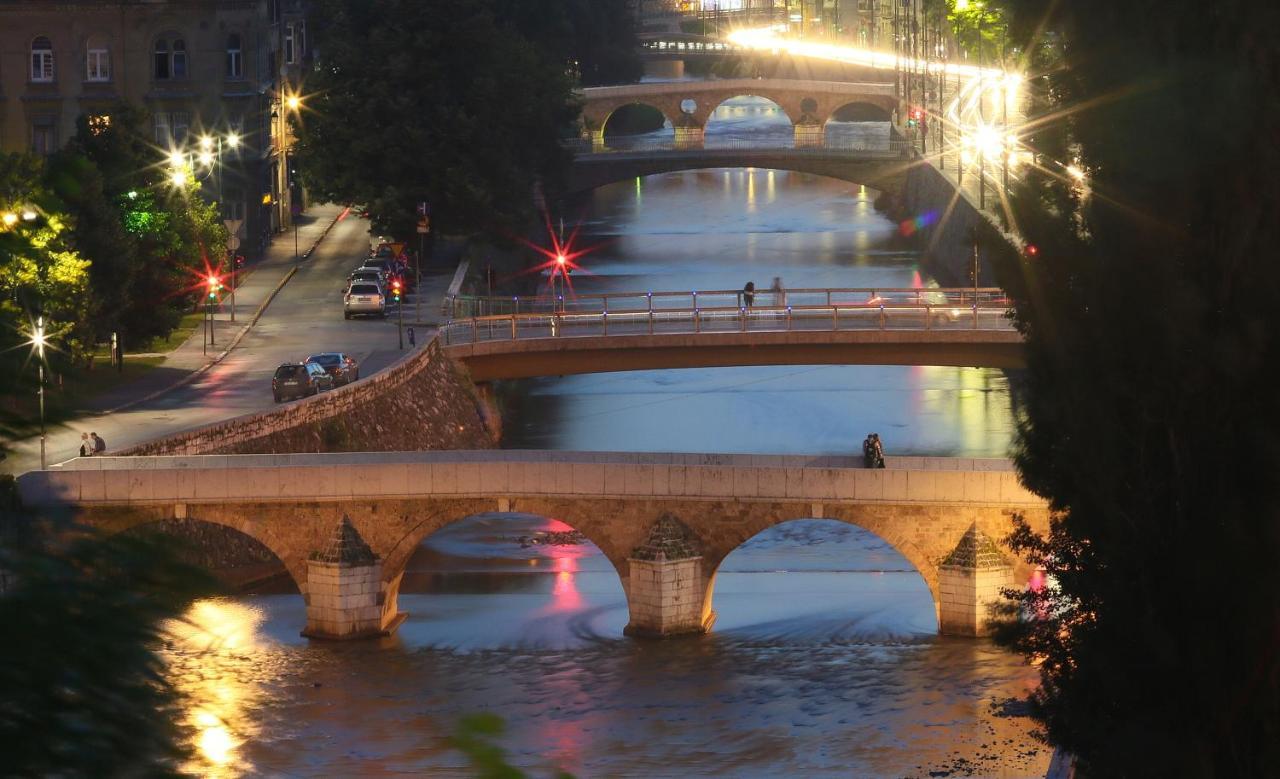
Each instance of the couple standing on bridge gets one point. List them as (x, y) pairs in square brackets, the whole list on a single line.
[(872, 451), (779, 294)]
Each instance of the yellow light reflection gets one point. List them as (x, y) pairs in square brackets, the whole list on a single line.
[(213, 652)]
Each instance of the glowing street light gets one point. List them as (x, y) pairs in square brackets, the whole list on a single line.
[(9, 218), (178, 178), (29, 215), (38, 341), (176, 159), (293, 102), (206, 159), (233, 141), (206, 143)]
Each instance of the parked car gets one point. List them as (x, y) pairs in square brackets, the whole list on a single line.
[(342, 368), (367, 275), (394, 269), (364, 299), (298, 380)]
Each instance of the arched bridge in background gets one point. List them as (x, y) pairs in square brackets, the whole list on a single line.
[(688, 105), (512, 337)]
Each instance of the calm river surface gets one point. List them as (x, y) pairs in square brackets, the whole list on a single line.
[(824, 660)]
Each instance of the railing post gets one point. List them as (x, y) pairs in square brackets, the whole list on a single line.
[(788, 318), (835, 317), (742, 317), (513, 327), (828, 297), (475, 334), (650, 321), (928, 317), (697, 321), (975, 313), (604, 321), (882, 327)]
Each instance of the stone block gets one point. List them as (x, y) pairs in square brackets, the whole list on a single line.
[(638, 479)]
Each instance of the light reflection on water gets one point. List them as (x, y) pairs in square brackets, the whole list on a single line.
[(823, 661)]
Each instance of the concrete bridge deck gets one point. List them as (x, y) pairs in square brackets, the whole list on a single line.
[(934, 511), (959, 327)]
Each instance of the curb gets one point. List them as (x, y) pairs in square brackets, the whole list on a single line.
[(197, 372)]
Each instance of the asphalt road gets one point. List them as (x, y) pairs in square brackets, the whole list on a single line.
[(305, 317)]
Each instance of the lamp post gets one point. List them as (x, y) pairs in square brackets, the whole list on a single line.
[(38, 340)]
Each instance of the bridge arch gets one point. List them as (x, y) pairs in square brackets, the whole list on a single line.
[(242, 528), (788, 109), (861, 110), (886, 529), (619, 112)]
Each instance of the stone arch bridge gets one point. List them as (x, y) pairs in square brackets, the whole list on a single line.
[(688, 105), (345, 525)]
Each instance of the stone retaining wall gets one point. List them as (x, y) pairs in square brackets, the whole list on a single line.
[(424, 401)]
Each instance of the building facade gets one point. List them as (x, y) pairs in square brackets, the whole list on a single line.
[(221, 69)]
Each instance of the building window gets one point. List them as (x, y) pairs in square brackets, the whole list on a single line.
[(97, 62), (235, 57), (99, 123), (41, 60), (180, 121), (44, 137), (179, 59), (233, 208), (164, 135), (302, 41), (170, 60), (288, 44)]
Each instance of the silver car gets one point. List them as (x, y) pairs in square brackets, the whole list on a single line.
[(368, 275), (364, 299)]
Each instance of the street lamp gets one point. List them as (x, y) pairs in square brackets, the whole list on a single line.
[(38, 340), (292, 102)]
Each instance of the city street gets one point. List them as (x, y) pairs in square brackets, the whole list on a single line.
[(304, 318)]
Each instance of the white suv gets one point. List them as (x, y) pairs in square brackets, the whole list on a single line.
[(364, 299)]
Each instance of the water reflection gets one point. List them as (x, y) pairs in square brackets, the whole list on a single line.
[(206, 655)]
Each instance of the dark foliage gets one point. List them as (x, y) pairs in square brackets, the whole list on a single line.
[(1149, 419), (593, 39), (426, 100), (84, 689)]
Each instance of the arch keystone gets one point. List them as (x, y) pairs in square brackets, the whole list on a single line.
[(971, 581), (668, 593), (346, 597)]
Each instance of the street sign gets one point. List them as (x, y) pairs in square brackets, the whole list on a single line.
[(233, 225), (422, 208), (424, 226), (233, 242)]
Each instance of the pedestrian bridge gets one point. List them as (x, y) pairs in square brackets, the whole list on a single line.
[(665, 521), (510, 338)]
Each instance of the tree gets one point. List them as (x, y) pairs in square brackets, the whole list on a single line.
[(151, 241), (1147, 418), (594, 39), (427, 100), (41, 273), (85, 692)]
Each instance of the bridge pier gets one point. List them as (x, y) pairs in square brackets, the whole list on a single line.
[(346, 596), (689, 137), (971, 582), (668, 592), (809, 135)]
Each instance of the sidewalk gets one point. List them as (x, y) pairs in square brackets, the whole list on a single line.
[(256, 288)]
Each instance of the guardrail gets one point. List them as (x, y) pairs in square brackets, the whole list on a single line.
[(466, 306), (982, 309), (854, 148)]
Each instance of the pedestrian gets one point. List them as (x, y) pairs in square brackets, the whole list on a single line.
[(86, 447), (779, 294), (99, 445), (868, 453), (410, 334), (877, 450), (749, 294)]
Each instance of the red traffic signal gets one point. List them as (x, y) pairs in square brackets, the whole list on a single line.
[(1031, 250)]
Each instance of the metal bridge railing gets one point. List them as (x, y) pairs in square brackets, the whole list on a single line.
[(932, 310), (466, 306), (851, 147)]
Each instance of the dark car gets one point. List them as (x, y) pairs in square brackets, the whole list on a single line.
[(342, 368), (298, 380)]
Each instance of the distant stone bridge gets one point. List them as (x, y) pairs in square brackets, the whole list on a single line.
[(689, 104), (345, 525)]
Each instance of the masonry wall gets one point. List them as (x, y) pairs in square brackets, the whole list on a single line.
[(423, 402), (966, 596), (665, 597), (947, 244)]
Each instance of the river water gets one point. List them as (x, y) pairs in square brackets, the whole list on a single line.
[(824, 659)]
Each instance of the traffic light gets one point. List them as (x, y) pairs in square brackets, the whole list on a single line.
[(395, 290), (915, 116), (1031, 250), (215, 286)]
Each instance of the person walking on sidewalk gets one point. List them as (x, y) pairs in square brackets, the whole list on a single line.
[(86, 446), (99, 445)]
